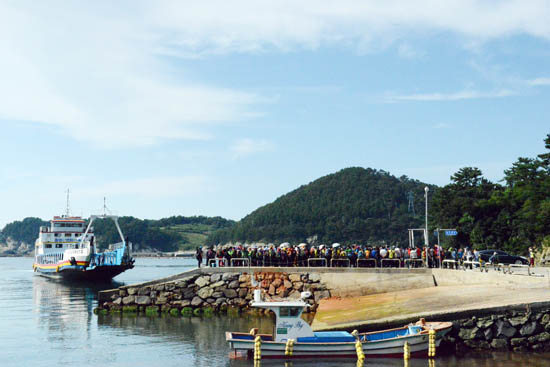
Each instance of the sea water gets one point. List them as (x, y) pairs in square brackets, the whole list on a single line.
[(50, 322)]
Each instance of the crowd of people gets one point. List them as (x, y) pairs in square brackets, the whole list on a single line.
[(335, 255)]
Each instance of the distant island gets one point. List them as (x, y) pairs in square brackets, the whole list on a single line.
[(357, 205)]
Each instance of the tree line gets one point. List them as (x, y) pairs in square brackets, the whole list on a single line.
[(371, 206)]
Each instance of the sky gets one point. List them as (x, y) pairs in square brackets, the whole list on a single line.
[(216, 107)]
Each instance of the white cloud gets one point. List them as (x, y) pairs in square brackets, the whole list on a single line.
[(97, 70), (539, 81), (456, 96), (406, 51), (246, 147), (92, 73), (442, 125), (199, 27)]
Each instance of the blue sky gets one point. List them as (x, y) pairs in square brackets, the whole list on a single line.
[(216, 108)]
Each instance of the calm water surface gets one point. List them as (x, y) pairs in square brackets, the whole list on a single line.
[(47, 322)]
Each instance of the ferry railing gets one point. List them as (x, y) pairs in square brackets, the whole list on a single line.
[(217, 263), (339, 261), (317, 260), (449, 264), (391, 262), (415, 263), (366, 263), (241, 261)]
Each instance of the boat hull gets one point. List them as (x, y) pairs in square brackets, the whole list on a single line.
[(418, 345), (97, 274)]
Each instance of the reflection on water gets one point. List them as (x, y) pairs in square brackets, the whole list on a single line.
[(45, 321)]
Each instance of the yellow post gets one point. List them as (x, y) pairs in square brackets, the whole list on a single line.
[(431, 343), (359, 350), (406, 351), (257, 348), (289, 347)]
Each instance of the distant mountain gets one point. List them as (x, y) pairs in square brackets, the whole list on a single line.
[(167, 234), (352, 205)]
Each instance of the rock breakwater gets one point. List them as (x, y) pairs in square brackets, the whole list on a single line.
[(512, 330), (200, 293)]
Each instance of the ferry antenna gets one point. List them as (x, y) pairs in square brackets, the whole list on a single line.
[(68, 209)]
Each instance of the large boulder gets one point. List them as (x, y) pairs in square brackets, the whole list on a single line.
[(181, 303), (188, 293), (234, 284), (518, 320), (202, 281), (215, 277), (541, 338), (196, 301), (230, 276), (230, 293), (244, 278), (469, 334), (504, 329), (144, 291), (499, 344), (161, 300), (484, 323), (143, 300), (518, 342), (294, 277), (205, 292), (243, 292), (217, 294), (529, 328), (128, 300), (217, 284)]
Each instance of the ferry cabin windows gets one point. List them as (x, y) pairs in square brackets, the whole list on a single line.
[(289, 311), (58, 245), (65, 225), (48, 245)]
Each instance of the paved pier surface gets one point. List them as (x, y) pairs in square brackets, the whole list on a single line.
[(455, 294)]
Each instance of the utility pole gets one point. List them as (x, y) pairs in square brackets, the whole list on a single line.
[(426, 189)]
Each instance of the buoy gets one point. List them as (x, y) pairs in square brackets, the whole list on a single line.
[(289, 347), (431, 343), (359, 350), (257, 348)]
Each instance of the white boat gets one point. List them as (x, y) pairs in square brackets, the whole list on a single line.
[(66, 249), (330, 344)]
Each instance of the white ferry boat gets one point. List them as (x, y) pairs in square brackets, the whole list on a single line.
[(66, 249)]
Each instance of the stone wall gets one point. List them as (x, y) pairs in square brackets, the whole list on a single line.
[(510, 330), (218, 292)]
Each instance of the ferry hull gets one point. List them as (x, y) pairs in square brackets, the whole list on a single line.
[(97, 274)]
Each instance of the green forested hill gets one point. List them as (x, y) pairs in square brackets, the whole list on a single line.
[(167, 234), (24, 231), (352, 205)]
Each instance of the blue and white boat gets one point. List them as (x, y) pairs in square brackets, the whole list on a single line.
[(66, 249), (331, 344)]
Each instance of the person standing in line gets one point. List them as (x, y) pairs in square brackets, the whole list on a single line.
[(531, 257), (198, 256)]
